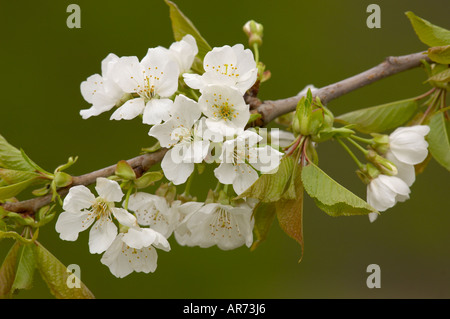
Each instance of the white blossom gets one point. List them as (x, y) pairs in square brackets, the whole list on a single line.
[(183, 133), (153, 79), (225, 109), (153, 211), (226, 226), (184, 52), (241, 158), (408, 144), (230, 66), (384, 192), (100, 90), (82, 209), (134, 250), (184, 210)]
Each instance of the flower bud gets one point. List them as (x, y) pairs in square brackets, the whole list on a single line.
[(254, 32), (309, 121), (385, 166)]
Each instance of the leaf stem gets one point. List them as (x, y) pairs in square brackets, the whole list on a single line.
[(362, 149), (435, 98), (369, 141), (353, 156), (187, 189), (424, 95), (127, 198), (256, 50)]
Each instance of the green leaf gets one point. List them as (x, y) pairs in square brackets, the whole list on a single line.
[(270, 187), (264, 215), (11, 157), (443, 76), (149, 178), (429, 33), (181, 26), (8, 271), (330, 196), (125, 171), (25, 268), (440, 54), (11, 176), (439, 139), (55, 274), (14, 189), (380, 118), (290, 210)]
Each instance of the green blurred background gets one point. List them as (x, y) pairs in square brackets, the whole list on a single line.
[(43, 62)]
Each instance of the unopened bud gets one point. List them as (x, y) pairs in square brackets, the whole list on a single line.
[(309, 121), (254, 32)]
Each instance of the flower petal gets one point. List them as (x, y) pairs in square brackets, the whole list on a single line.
[(78, 198), (116, 260), (101, 235), (157, 110), (124, 217), (129, 110), (70, 224), (128, 73), (162, 70), (139, 237), (245, 177), (225, 173), (109, 190), (406, 172), (173, 167)]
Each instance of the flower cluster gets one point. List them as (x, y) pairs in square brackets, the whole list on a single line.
[(152, 220), (199, 118), (404, 148)]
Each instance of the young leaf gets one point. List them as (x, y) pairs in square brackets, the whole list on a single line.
[(8, 271), (290, 211), (439, 139), (443, 76), (11, 157), (330, 196), (14, 189), (440, 54), (181, 26), (270, 187), (149, 178), (264, 214), (380, 118), (125, 171), (429, 33), (55, 275), (25, 268), (11, 176)]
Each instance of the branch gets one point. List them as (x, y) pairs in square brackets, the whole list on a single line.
[(390, 66), (268, 109), (140, 164)]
